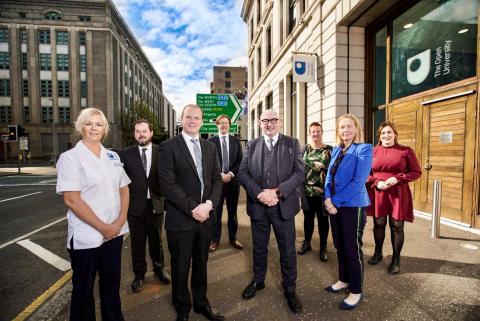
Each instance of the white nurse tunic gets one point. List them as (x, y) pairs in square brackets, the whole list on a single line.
[(98, 179)]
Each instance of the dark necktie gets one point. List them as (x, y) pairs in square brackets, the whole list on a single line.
[(144, 159), (225, 162)]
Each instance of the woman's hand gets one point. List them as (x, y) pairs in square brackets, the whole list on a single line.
[(391, 181), (110, 231), (381, 185), (330, 207)]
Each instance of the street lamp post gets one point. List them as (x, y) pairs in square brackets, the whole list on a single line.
[(54, 132)]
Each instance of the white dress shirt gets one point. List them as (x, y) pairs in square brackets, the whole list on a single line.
[(98, 179), (275, 139)]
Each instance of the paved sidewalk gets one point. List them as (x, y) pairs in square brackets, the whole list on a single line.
[(439, 280), (28, 170)]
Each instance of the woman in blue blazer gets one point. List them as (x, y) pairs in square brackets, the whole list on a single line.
[(345, 200)]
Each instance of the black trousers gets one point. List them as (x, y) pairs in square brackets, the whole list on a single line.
[(146, 226), (285, 234), (347, 232), (316, 208), (106, 260), (230, 193), (185, 247)]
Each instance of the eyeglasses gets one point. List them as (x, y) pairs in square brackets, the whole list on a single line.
[(272, 121)]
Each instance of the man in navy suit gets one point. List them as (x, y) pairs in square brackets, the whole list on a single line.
[(272, 173), (229, 150), (190, 179), (146, 208)]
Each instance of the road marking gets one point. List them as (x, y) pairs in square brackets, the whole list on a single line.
[(32, 184), (14, 198), (46, 255), (33, 232), (25, 314)]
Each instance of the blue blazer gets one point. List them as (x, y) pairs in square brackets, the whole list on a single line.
[(352, 173)]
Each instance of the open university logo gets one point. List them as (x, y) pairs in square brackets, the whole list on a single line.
[(300, 67), (418, 67), (111, 156)]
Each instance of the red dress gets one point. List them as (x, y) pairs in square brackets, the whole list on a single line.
[(398, 161)]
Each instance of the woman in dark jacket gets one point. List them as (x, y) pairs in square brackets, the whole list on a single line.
[(316, 156)]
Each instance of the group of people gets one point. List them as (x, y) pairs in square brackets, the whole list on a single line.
[(183, 184)]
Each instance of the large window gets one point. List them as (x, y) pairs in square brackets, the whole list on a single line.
[(45, 61), (83, 64), (62, 37), (23, 36), (63, 88), (47, 114), (25, 87), (380, 66), (4, 87), (64, 115), (62, 62), (81, 38), (292, 15), (46, 88), (24, 61), (3, 35), (5, 114), (4, 60), (269, 45), (44, 36), (433, 43), (53, 15), (83, 89), (26, 114)]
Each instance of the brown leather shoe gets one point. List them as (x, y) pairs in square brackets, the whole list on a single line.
[(236, 244), (213, 246)]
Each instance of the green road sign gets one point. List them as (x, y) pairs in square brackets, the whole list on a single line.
[(212, 129), (214, 105)]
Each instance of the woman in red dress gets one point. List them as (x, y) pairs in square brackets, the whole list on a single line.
[(393, 167)]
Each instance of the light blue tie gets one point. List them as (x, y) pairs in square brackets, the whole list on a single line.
[(198, 161)]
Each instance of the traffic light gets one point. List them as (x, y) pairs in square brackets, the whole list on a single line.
[(12, 133)]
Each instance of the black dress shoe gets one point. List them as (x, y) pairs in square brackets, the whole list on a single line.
[(293, 302), (137, 284), (323, 256), (209, 313), (163, 276), (236, 244), (250, 290), (305, 248), (182, 317), (394, 267), (377, 257)]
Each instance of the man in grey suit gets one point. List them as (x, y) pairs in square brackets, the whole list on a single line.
[(272, 173), (146, 208)]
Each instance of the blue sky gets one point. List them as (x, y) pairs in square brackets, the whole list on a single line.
[(184, 39)]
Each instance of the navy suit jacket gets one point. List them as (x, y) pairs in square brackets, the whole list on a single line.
[(234, 155), (352, 173), (291, 173), (180, 183)]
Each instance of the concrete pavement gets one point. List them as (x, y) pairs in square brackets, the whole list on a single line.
[(439, 280)]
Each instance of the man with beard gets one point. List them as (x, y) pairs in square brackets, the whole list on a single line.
[(146, 209)]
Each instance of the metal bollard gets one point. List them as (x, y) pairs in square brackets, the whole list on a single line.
[(436, 208)]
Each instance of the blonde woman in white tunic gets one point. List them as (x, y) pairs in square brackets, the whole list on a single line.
[(95, 190)]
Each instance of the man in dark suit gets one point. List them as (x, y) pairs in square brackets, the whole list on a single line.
[(230, 151), (190, 179), (146, 209), (272, 173)]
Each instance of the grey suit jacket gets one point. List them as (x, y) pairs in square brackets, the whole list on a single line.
[(290, 175)]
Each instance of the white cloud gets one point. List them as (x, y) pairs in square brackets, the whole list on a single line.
[(184, 39)]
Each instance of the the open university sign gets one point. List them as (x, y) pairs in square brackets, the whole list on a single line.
[(304, 68)]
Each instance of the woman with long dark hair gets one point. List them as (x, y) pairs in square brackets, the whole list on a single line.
[(394, 166)]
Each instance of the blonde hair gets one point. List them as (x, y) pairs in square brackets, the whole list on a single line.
[(358, 138), (84, 117)]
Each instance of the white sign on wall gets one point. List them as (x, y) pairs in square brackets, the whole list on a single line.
[(304, 67)]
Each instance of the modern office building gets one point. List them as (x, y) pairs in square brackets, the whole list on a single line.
[(57, 57), (232, 80), (414, 62)]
